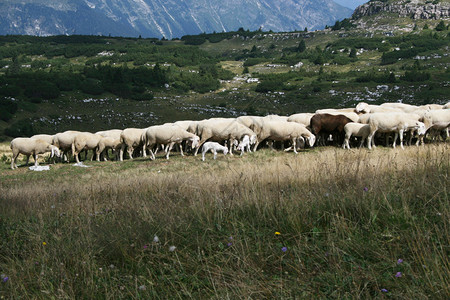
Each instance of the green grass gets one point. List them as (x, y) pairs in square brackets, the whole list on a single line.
[(345, 218)]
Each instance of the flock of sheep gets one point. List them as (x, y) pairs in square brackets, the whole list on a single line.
[(245, 133)]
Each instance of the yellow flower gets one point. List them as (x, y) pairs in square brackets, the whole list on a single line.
[(277, 233), (44, 243)]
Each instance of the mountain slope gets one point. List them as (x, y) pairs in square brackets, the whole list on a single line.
[(163, 18)]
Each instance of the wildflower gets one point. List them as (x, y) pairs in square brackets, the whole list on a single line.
[(284, 249), (145, 246), (366, 189), (277, 233), (399, 261), (229, 244), (172, 248), (156, 239), (44, 243), (398, 274), (230, 238), (5, 279), (384, 290)]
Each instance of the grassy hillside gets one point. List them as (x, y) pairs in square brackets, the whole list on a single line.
[(326, 223), (91, 83)]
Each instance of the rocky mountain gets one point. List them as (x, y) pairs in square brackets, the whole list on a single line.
[(163, 18), (415, 9)]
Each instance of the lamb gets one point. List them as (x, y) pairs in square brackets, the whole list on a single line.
[(302, 118), (85, 141), (244, 143), (393, 122), (213, 147), (355, 129), (254, 123), (29, 146), (220, 130), (288, 131), (130, 138), (166, 134)]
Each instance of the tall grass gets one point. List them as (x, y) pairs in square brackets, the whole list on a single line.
[(345, 219)]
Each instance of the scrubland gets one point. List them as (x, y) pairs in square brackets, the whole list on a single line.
[(325, 223)]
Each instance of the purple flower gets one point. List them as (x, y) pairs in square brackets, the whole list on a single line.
[(229, 244), (284, 249), (399, 261), (5, 279), (145, 246), (384, 290), (366, 189), (398, 274), (230, 238)]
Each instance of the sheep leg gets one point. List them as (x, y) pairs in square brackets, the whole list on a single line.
[(203, 154), (401, 139), (230, 146), (215, 154), (369, 140), (35, 156), (294, 143), (169, 148), (122, 149), (14, 159), (130, 151), (180, 147)]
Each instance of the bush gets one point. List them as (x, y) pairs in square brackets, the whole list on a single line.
[(41, 90), (416, 76), (92, 86)]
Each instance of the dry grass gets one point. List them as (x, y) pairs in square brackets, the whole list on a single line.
[(345, 218)]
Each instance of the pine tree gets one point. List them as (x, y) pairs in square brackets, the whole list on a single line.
[(301, 46)]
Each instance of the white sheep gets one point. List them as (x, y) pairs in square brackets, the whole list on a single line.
[(355, 129), (439, 120), (363, 107), (86, 141), (301, 118), (223, 130), (64, 141), (166, 134), (213, 147), (287, 131), (106, 143), (130, 138), (44, 137), (400, 106), (393, 122), (112, 133), (29, 146)]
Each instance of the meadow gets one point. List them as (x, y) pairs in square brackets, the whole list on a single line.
[(326, 223)]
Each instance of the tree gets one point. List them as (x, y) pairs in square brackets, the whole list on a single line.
[(306, 29), (441, 26), (352, 53), (301, 46)]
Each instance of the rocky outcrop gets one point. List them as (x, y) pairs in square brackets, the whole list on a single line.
[(412, 9)]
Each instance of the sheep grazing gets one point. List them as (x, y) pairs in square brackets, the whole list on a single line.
[(64, 141), (393, 122), (288, 131), (166, 134), (355, 129), (29, 146), (439, 121), (85, 141), (213, 147), (329, 124), (106, 143), (223, 130), (365, 108), (130, 138), (112, 133)]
